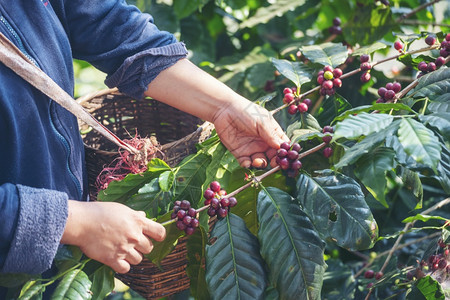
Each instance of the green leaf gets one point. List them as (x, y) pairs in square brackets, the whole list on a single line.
[(327, 54), (162, 249), (151, 199), (332, 107), (74, 285), (361, 124), (369, 143), (369, 49), (433, 85), (426, 288), (419, 142), (102, 282), (120, 191), (423, 218), (412, 185), (290, 245), (440, 120), (166, 180), (234, 267), (10, 280), (190, 177), (297, 72), (337, 207), (67, 256), (338, 282), (32, 290), (184, 8), (266, 13), (196, 255), (440, 104), (157, 165), (443, 175), (381, 107), (371, 169)]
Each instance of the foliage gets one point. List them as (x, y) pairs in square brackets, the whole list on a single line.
[(315, 235)]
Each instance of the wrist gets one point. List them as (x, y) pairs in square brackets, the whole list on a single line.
[(75, 223)]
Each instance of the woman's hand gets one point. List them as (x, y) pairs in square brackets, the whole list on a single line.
[(111, 233), (250, 133)]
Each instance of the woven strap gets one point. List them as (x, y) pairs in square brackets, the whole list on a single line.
[(14, 59)]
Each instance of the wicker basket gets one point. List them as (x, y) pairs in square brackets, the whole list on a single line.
[(178, 133)]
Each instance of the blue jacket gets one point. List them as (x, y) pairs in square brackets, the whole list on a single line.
[(41, 152)]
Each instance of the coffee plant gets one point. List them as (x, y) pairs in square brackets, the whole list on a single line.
[(357, 206)]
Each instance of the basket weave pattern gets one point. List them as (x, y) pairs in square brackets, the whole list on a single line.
[(178, 133)]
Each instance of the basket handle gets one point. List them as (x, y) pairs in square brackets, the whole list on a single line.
[(14, 59)]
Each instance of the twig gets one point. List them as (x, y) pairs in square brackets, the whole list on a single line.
[(414, 11), (406, 228), (417, 22)]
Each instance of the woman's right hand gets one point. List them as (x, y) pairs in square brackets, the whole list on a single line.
[(111, 233)]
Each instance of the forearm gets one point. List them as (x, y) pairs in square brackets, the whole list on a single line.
[(190, 89)]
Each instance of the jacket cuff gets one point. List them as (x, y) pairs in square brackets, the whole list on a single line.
[(42, 218), (135, 74)]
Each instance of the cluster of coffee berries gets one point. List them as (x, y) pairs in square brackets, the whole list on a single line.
[(445, 47), (186, 216), (365, 66), (398, 46), (219, 205), (336, 28), (287, 158), (369, 274), (388, 93), (329, 79), (295, 104), (327, 130)]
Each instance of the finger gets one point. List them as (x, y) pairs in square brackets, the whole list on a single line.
[(142, 213), (134, 257), (145, 246), (273, 162), (154, 230), (272, 134), (259, 160), (244, 161), (271, 153), (121, 266)]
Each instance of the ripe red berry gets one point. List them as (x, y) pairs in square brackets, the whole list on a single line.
[(208, 194), (285, 146), (430, 40), (292, 155), (176, 208), (194, 223), (215, 203), (288, 98), (380, 100), (296, 147), (396, 87), (447, 37), (390, 94), (292, 109), (327, 128), (369, 285), (365, 77), (177, 203), (181, 214), (302, 107), (211, 212), (337, 21), (287, 91), (181, 225), (327, 138), (222, 212), (185, 205), (382, 91), (192, 212), (444, 53), (364, 58), (369, 274), (284, 164), (446, 252), (225, 202), (327, 84), (365, 66), (214, 186), (282, 152), (187, 220), (398, 45), (337, 29), (173, 215), (442, 264), (296, 165), (422, 66), (328, 68), (307, 101), (431, 67), (337, 83), (233, 201), (327, 152), (440, 61), (320, 79), (337, 72), (189, 230), (389, 86), (378, 275)]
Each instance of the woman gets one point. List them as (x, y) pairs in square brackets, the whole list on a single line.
[(43, 189)]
